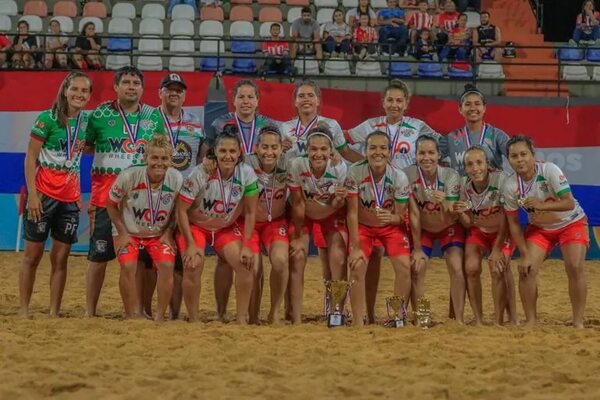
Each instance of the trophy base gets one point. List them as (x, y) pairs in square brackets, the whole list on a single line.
[(334, 320), (396, 323)]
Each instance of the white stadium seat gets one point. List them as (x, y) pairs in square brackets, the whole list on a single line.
[(490, 70), (210, 29), (181, 46), (5, 23), (9, 7), (150, 45), (123, 10), (325, 15), (337, 67), (120, 25), (243, 29), (307, 66), (183, 11), (35, 22), (181, 64), (150, 63), (153, 10), (66, 23), (116, 61), (151, 27), (293, 14), (575, 72), (182, 27), (364, 68), (326, 3), (473, 19)]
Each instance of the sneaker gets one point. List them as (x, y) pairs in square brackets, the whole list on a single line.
[(362, 54), (572, 43)]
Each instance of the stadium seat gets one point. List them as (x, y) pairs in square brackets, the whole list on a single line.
[(182, 27), (124, 28), (210, 29), (270, 14), (241, 13), (94, 10), (325, 15), (596, 74), (97, 22), (181, 64), (337, 68), (570, 54), (210, 13), (149, 63), (116, 61), (182, 46), (241, 1), (151, 27), (5, 23), (36, 7), (183, 11), (325, 3), (293, 14), (300, 3), (35, 22), (269, 2), (473, 19), (593, 54), (365, 68), (9, 7), (430, 70), (153, 10), (348, 4), (123, 10), (150, 45), (66, 23), (308, 66), (210, 48), (241, 29), (575, 72), (120, 25), (490, 70), (265, 30), (65, 8), (243, 65), (462, 71), (377, 4), (399, 69)]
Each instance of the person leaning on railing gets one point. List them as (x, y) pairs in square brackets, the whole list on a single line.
[(23, 47), (87, 48), (276, 51), (55, 46)]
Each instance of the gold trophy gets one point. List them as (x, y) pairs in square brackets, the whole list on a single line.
[(336, 293), (396, 310), (423, 313)]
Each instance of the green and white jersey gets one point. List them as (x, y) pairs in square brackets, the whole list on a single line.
[(487, 206), (433, 217), (391, 189), (272, 189), (217, 204), (56, 177), (317, 192), (548, 184), (146, 211)]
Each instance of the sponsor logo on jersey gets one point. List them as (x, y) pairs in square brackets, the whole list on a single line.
[(143, 215)]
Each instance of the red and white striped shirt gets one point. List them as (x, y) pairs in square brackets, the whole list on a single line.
[(420, 20), (447, 21)]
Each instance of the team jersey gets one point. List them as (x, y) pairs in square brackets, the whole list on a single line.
[(317, 192), (249, 135), (214, 204), (188, 134), (548, 185), (403, 136), (433, 216), (487, 206), (55, 176), (297, 132), (272, 190), (420, 20), (392, 188), (455, 144), (146, 211), (113, 146)]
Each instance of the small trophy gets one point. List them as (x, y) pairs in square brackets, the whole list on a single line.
[(396, 310), (337, 292), (423, 313)]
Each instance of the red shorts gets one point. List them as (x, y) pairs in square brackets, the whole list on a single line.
[(486, 241), (159, 252), (217, 239), (452, 236), (336, 222), (318, 237), (268, 232), (392, 237), (575, 232)]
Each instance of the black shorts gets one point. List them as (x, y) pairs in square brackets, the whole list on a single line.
[(101, 238), (59, 218)]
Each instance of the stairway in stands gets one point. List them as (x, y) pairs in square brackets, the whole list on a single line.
[(517, 24)]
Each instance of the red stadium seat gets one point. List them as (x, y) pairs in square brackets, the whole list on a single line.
[(65, 8), (95, 10), (270, 14), (274, 2), (211, 13), (300, 3), (36, 7), (241, 13)]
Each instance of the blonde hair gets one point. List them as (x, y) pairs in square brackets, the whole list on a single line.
[(159, 141)]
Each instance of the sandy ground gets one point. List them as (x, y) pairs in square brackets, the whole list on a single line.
[(72, 357)]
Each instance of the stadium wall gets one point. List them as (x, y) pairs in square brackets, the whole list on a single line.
[(567, 136)]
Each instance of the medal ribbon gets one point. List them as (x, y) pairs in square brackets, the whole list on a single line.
[(395, 138), (476, 207), (308, 127), (481, 137), (378, 195), (436, 184), (246, 145), (173, 138), (131, 132), (269, 199), (72, 140), (524, 190), (154, 208), (227, 202)]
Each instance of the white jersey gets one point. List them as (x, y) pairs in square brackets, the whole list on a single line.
[(272, 189), (146, 211), (403, 136), (392, 188), (433, 217), (297, 134), (188, 134), (548, 184), (217, 204), (487, 206), (317, 193)]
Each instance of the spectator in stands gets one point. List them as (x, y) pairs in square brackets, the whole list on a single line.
[(446, 21), (173, 3), (488, 36), (458, 47), (392, 33), (5, 45), (276, 51), (306, 36), (409, 4), (364, 7), (337, 35), (55, 47), (462, 5), (365, 38), (23, 47), (419, 20), (87, 48), (587, 27), (425, 48)]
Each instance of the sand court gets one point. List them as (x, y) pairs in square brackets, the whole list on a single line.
[(108, 358)]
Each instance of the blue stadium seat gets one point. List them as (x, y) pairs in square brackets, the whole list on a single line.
[(212, 64), (460, 73), (119, 44), (243, 46), (430, 70), (593, 54), (400, 70), (566, 54), (244, 66)]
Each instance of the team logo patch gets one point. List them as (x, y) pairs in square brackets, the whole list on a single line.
[(101, 246), (41, 226), (235, 191), (166, 199), (40, 124), (146, 124)]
